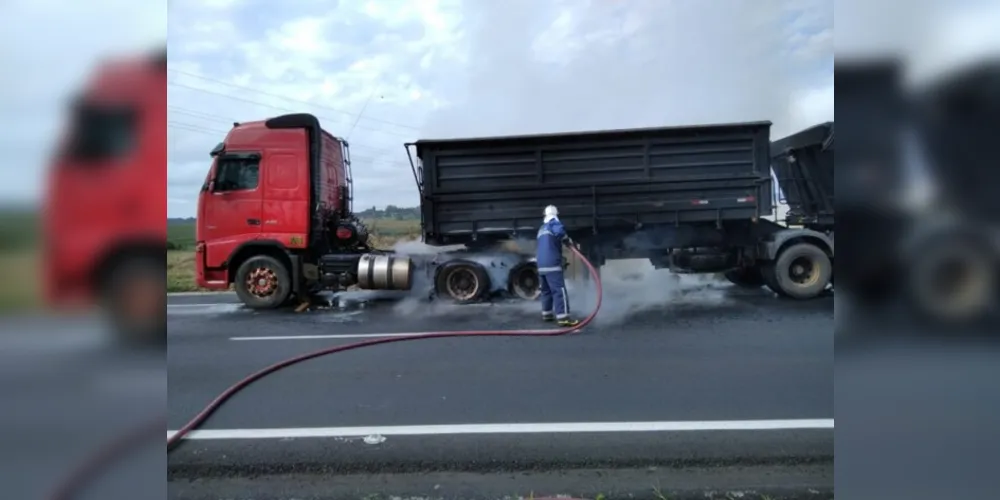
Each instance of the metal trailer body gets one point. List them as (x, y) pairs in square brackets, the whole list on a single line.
[(803, 165), (687, 198), (949, 254), (495, 188)]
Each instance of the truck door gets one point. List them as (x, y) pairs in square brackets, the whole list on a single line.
[(234, 207)]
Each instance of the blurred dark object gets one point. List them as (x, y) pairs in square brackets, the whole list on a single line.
[(871, 108), (104, 229), (869, 177), (917, 175), (958, 117), (952, 251), (803, 165)]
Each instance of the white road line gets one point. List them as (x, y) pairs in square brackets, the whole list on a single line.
[(353, 336), (557, 428)]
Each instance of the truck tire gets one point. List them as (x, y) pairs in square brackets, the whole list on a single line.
[(525, 283), (801, 271), (462, 281), (134, 296), (263, 282), (745, 277), (953, 282), (770, 277)]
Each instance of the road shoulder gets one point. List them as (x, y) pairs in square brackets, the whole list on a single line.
[(786, 482)]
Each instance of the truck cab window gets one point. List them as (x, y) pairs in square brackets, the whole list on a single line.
[(101, 133), (237, 174)]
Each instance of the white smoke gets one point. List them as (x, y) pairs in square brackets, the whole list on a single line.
[(632, 286)]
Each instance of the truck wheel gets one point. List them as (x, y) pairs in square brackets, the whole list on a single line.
[(462, 282), (955, 282), (770, 276), (802, 271), (746, 277), (263, 282), (525, 282), (135, 295)]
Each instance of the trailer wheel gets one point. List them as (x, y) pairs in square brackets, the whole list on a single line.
[(746, 277), (770, 276), (525, 282), (134, 296), (954, 282), (802, 271), (462, 281), (263, 282)]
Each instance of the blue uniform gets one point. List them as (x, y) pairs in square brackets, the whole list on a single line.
[(555, 301)]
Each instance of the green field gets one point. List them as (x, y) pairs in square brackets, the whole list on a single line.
[(180, 235), (18, 230)]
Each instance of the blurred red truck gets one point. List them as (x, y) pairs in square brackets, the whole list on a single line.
[(104, 225)]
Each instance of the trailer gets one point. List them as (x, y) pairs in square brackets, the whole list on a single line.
[(950, 249), (691, 199), (275, 218)]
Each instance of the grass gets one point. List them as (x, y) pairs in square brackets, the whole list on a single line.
[(20, 270), (180, 235), (393, 228), (180, 271)]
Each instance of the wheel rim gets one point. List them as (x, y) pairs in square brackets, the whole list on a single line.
[(955, 285), (462, 284), (526, 283), (262, 282), (803, 271)]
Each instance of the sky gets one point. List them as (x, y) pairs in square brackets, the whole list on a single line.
[(381, 73), (385, 72), (47, 50)]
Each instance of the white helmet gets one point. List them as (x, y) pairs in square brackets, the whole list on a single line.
[(551, 211)]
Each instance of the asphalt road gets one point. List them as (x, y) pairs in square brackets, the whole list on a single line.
[(671, 373)]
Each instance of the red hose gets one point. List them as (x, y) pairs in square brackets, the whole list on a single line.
[(242, 384)]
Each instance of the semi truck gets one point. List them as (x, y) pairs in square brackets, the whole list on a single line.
[(276, 220), (103, 224)]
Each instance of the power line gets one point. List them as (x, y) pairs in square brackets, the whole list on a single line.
[(195, 128), (221, 82), (279, 108), (229, 121), (188, 127)]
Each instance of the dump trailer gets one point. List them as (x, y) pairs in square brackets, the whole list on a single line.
[(690, 199), (275, 216), (803, 166), (950, 249)]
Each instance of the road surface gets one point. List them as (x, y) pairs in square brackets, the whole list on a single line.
[(676, 374)]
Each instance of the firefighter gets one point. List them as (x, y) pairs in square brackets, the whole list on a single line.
[(555, 300)]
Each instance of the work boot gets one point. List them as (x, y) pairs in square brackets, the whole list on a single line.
[(567, 322)]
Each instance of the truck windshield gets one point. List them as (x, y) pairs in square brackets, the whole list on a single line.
[(100, 133)]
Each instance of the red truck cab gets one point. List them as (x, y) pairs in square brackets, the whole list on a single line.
[(276, 199), (104, 223)]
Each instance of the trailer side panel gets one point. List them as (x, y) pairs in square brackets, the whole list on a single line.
[(496, 187)]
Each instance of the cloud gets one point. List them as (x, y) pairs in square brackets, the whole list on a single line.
[(47, 50), (386, 72)]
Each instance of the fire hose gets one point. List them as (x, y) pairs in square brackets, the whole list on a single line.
[(217, 403), (78, 480)]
